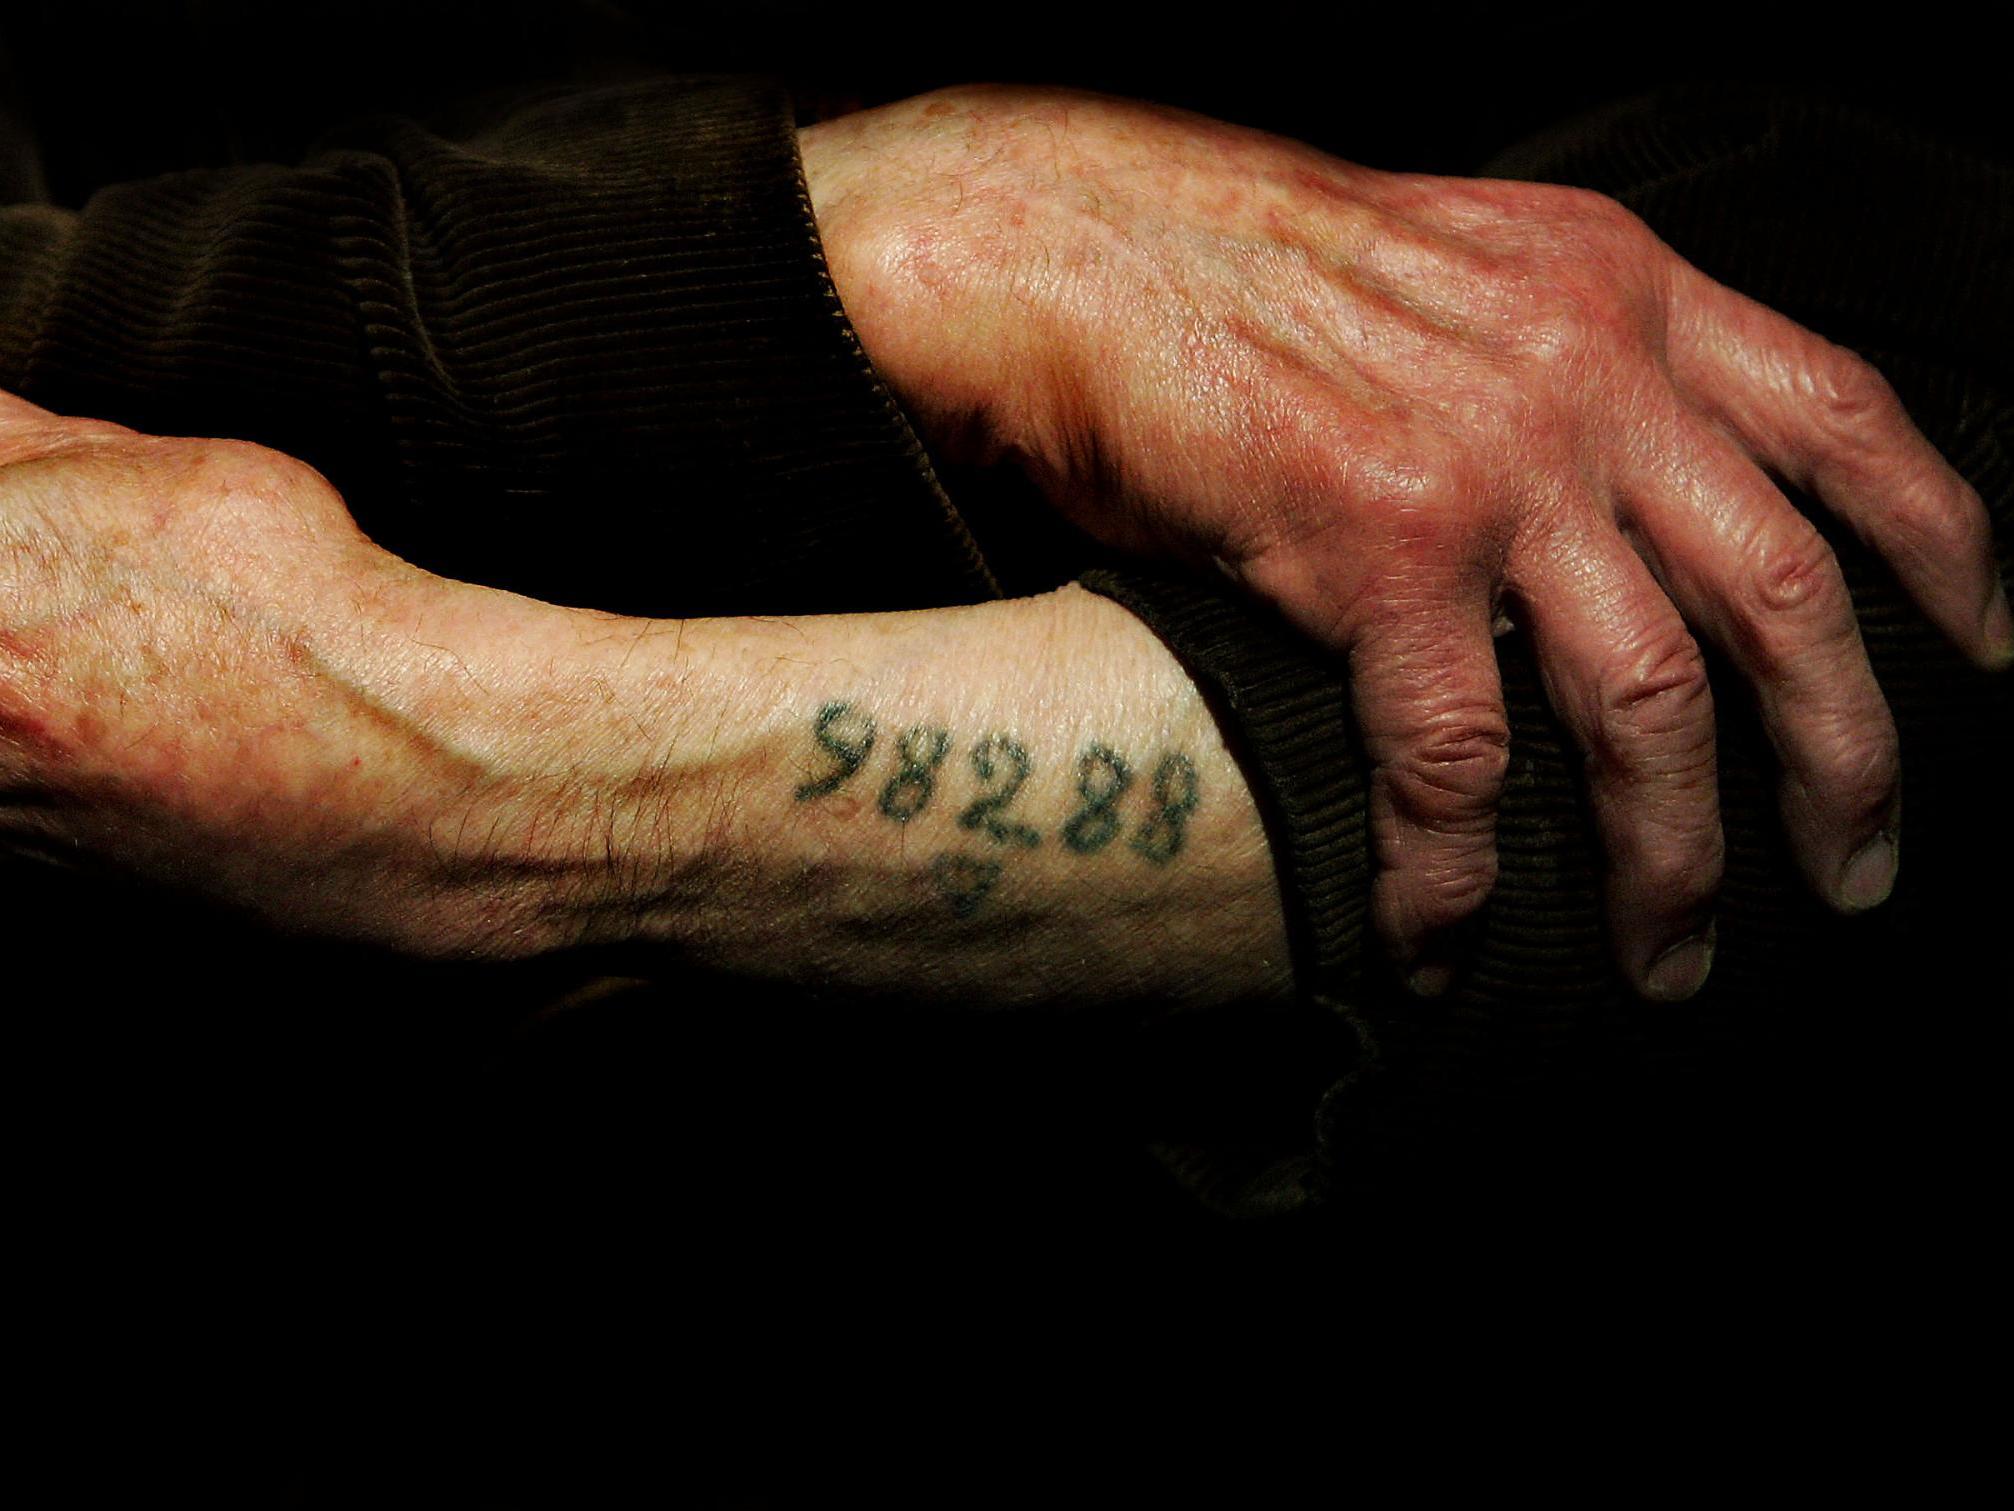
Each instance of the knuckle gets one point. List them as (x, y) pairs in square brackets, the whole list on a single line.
[(1449, 775), (1591, 209), (1586, 225), (1581, 328), (228, 484), (1936, 524), (258, 469), (1436, 524), (1851, 398), (1591, 275), (1797, 573), (1561, 324), (1425, 497), (1657, 698)]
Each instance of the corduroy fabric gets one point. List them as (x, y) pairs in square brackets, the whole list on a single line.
[(607, 313), (1286, 719)]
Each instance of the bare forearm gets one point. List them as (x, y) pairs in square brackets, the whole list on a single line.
[(1014, 802), (211, 678)]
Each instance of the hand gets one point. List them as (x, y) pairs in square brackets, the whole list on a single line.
[(209, 677), (1401, 408)]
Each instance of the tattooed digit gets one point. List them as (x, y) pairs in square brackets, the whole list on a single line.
[(1162, 836), (987, 812), (909, 791), (850, 753), (1091, 827)]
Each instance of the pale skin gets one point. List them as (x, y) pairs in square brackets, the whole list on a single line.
[(210, 678), (1399, 409)]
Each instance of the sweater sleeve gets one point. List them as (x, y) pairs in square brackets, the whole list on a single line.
[(589, 353)]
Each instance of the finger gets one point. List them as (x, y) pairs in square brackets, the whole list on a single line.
[(1628, 682), (1825, 420), (1761, 583), (1432, 713)]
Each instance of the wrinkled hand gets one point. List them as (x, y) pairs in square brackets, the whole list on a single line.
[(1399, 407), (210, 678)]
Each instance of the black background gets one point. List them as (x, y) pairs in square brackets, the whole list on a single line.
[(122, 90)]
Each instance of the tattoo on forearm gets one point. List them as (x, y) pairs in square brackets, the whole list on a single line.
[(844, 734), (1102, 779), (1006, 757), (1176, 793), (847, 735), (909, 791)]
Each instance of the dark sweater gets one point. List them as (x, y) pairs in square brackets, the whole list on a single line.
[(590, 353)]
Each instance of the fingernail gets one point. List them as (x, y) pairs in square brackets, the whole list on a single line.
[(1681, 970), (1430, 980), (1999, 631), (1870, 876)]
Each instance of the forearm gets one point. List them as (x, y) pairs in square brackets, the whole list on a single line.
[(208, 676), (1018, 801)]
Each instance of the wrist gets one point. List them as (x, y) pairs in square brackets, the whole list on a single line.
[(923, 236), (576, 725)]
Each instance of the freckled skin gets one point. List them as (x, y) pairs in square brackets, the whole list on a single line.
[(181, 684), (1392, 404)]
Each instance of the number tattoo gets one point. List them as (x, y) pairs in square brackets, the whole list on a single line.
[(987, 812), (1091, 827), (1002, 766), (909, 791), (849, 754), (1162, 836)]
